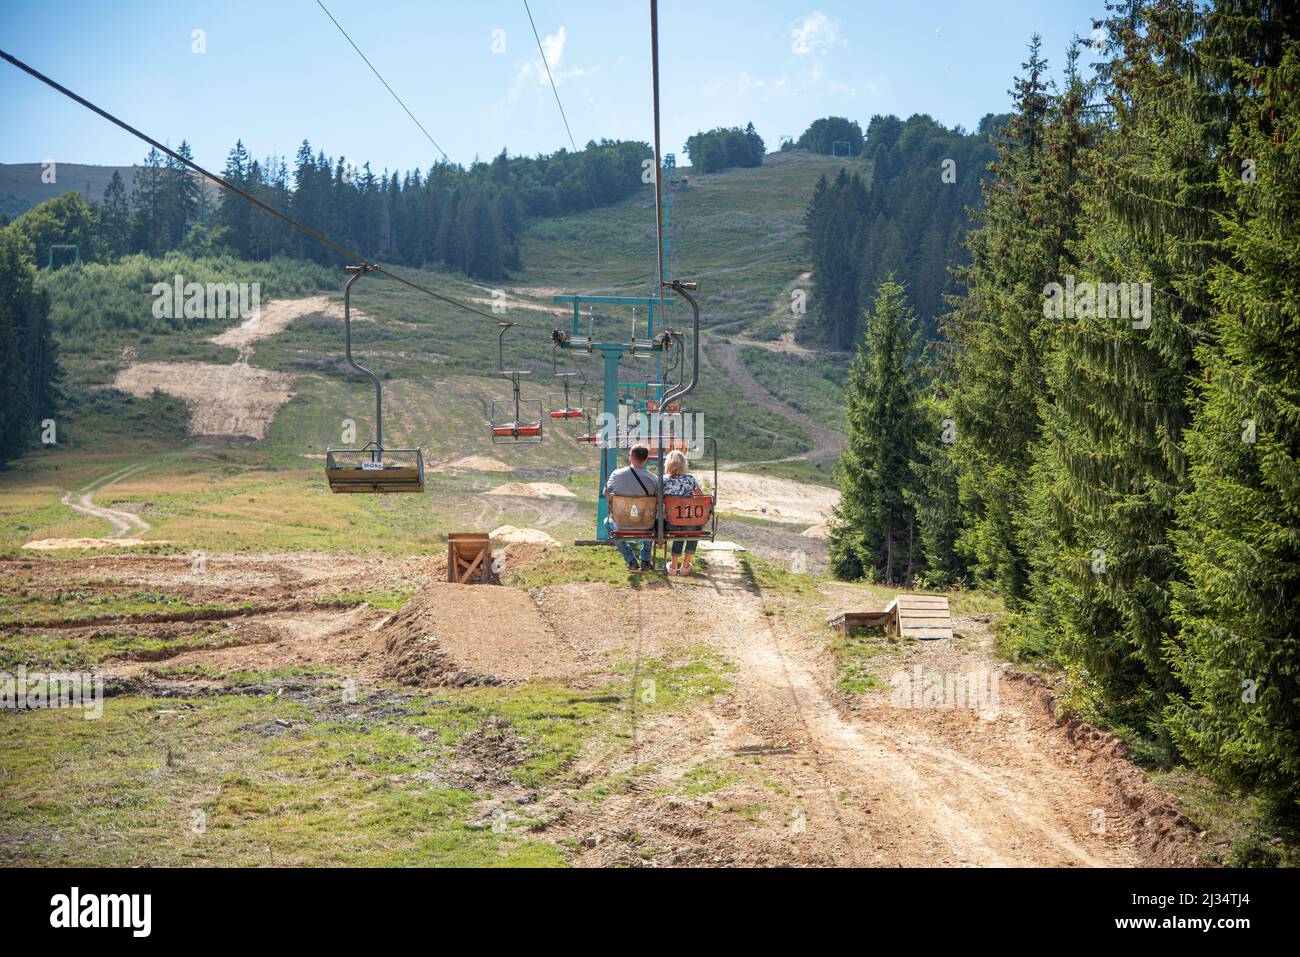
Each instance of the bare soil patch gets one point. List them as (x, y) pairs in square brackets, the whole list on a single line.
[(236, 401), (533, 490), (483, 635), (474, 463), (775, 499), (58, 544)]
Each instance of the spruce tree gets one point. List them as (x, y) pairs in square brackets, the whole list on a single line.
[(115, 219), (1238, 653), (873, 532), (999, 366)]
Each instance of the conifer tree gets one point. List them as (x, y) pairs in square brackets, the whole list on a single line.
[(998, 372), (115, 219), (873, 533), (1239, 525)]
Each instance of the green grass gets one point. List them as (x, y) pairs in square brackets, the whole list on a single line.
[(305, 778), (1240, 829), (573, 563), (390, 598), (705, 778), (814, 385), (81, 604), (43, 650), (854, 652)]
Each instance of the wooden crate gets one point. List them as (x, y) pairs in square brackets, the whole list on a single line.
[(469, 557), (858, 619)]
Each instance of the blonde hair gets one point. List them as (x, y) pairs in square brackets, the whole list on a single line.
[(675, 464)]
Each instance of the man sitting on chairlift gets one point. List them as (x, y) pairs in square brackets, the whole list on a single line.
[(636, 480)]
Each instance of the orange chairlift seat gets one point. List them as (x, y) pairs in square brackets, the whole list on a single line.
[(638, 516)]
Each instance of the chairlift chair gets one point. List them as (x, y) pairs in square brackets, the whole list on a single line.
[(561, 403), (638, 518), (508, 422), (371, 468)]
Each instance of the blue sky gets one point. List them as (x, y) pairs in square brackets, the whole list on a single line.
[(277, 71)]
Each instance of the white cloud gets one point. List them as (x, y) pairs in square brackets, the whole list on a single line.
[(811, 33), (534, 71)]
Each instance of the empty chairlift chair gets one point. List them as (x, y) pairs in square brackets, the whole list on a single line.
[(371, 468), (508, 421), (562, 404)]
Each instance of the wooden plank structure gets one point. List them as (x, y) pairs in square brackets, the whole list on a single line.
[(920, 616), (858, 619), (469, 557), (907, 616)]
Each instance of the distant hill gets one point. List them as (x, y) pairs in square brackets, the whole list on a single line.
[(23, 181)]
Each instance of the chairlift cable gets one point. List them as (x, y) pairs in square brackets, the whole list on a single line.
[(547, 65), (385, 82), (659, 195)]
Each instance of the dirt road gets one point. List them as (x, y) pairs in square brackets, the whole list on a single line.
[(726, 356), (900, 786), (124, 523)]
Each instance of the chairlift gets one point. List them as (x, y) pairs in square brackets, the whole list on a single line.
[(371, 468), (561, 403), (508, 422), (648, 517)]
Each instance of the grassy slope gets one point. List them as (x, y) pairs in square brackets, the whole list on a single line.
[(739, 233)]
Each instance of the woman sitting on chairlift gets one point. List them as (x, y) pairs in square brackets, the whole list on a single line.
[(677, 481)]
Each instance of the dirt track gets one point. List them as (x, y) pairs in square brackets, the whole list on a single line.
[(726, 356), (238, 400)]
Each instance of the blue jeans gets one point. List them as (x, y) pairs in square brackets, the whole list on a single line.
[(625, 545)]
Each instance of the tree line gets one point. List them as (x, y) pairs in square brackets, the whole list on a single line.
[(910, 222), (829, 136), (29, 368), (720, 149), (1109, 433), (463, 219)]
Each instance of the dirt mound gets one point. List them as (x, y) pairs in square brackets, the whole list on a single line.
[(461, 635), (820, 530), (236, 400), (533, 490), (521, 536), (474, 463)]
